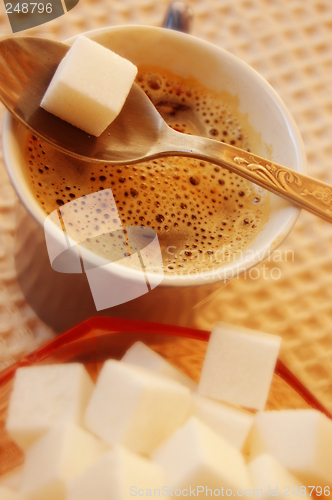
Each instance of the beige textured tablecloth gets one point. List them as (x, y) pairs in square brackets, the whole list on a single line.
[(290, 43)]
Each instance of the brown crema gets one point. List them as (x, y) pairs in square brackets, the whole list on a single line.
[(204, 215)]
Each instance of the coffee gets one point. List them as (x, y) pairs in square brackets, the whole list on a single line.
[(204, 215)]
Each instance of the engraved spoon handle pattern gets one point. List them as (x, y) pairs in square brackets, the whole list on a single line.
[(306, 192)]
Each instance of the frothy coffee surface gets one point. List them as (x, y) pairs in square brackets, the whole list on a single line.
[(203, 214)]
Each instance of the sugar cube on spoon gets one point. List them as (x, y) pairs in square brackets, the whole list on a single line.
[(90, 86)]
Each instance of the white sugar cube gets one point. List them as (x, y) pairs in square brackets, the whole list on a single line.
[(8, 494), (196, 456), (56, 458), (231, 423), (301, 440), (135, 407), (239, 365), (141, 355), (44, 396), (90, 86), (271, 479), (119, 475)]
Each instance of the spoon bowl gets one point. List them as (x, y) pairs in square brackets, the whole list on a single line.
[(27, 66)]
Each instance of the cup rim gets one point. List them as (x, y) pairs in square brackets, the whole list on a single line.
[(228, 270)]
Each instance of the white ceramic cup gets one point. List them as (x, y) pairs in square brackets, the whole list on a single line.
[(62, 300)]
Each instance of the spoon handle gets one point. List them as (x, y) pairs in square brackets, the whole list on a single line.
[(306, 192)]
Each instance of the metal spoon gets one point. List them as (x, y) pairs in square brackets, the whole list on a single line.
[(139, 133)]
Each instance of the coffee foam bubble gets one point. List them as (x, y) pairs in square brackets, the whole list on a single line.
[(203, 214)]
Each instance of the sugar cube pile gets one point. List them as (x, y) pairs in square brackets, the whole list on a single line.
[(145, 429)]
